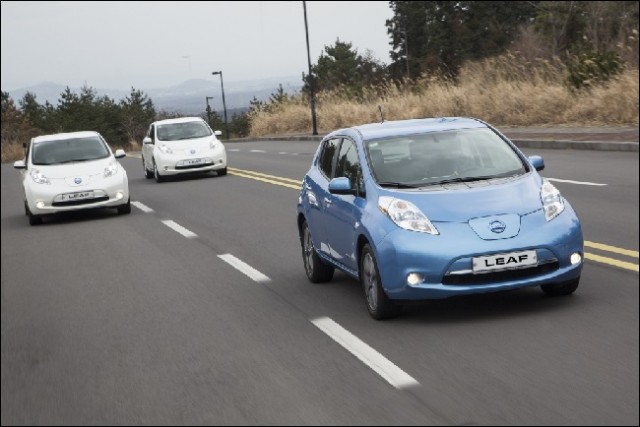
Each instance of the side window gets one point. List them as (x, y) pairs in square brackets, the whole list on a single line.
[(349, 164), (327, 156)]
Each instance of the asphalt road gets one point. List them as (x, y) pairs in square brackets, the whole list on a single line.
[(134, 319)]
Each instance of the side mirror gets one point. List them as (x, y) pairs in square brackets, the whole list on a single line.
[(120, 153), (341, 185), (147, 140), (19, 164), (217, 132), (537, 162)]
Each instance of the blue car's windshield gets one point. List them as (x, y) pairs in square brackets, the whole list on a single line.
[(180, 131), (442, 157), (60, 151)]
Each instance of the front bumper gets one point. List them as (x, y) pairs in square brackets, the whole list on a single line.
[(179, 163), (445, 261)]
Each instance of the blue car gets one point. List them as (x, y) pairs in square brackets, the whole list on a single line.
[(434, 208)]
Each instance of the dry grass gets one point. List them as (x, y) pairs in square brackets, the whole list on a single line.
[(504, 91)]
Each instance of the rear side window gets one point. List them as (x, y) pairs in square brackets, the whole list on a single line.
[(327, 156)]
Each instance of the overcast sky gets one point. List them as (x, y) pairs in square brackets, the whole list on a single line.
[(117, 45)]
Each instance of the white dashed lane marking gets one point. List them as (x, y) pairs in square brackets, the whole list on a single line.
[(144, 208), (370, 357), (180, 229), (568, 181), (244, 268)]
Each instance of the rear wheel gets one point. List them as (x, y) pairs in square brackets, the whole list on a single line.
[(379, 305), (317, 270), (559, 289)]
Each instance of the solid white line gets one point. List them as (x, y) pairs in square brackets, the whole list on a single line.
[(376, 361), (180, 229), (576, 182), (142, 207), (245, 268)]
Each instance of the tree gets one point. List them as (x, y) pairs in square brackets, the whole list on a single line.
[(137, 112), (438, 36), (341, 67)]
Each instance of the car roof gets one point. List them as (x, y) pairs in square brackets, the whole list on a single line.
[(179, 120), (413, 126), (63, 136)]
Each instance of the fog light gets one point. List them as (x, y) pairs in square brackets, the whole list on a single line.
[(166, 168), (576, 258), (119, 195), (40, 205), (414, 278)]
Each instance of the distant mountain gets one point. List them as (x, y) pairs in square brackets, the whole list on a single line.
[(188, 97)]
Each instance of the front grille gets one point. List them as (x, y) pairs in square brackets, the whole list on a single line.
[(81, 202), (499, 276), (194, 166)]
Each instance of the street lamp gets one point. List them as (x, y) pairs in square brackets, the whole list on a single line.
[(224, 105), (313, 101), (208, 110)]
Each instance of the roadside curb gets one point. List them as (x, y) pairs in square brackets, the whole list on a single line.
[(520, 143)]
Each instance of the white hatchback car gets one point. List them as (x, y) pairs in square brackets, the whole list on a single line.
[(184, 145), (72, 171)]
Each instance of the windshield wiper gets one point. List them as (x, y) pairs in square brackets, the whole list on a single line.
[(71, 161), (397, 185), (465, 179)]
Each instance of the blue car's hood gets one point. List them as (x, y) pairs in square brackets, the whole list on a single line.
[(461, 202)]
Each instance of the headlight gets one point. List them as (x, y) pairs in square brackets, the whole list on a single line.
[(552, 201), (111, 169), (165, 149), (406, 215), (39, 177)]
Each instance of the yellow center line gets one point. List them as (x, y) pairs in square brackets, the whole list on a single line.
[(270, 181), (613, 249), (295, 181), (611, 261)]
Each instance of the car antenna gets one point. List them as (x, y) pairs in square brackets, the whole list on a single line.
[(381, 113)]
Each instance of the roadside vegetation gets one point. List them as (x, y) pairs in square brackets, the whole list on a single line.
[(511, 63)]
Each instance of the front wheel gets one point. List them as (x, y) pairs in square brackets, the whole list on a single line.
[(33, 219), (559, 289), (379, 305), (156, 173), (222, 172), (317, 270), (147, 173), (125, 209)]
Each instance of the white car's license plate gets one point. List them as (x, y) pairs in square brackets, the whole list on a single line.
[(190, 162), (77, 196), (506, 261)]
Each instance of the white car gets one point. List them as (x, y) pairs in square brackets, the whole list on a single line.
[(72, 171), (184, 145)]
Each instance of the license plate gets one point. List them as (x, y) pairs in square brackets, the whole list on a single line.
[(190, 162), (77, 196), (506, 261)]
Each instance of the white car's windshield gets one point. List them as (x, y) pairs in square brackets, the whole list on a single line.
[(442, 157), (68, 150), (179, 131)]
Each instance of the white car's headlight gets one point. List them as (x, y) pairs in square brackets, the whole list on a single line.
[(552, 201), (406, 215), (39, 177), (165, 149), (111, 169)]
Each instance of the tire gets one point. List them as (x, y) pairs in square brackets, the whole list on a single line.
[(125, 209), (33, 219), (156, 173), (147, 174), (560, 289), (222, 172), (317, 270), (378, 304)]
